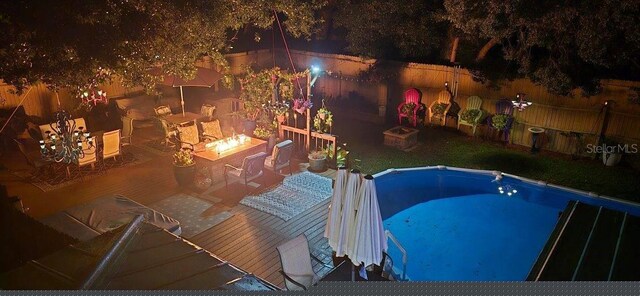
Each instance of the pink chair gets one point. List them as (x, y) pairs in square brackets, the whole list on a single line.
[(411, 95)]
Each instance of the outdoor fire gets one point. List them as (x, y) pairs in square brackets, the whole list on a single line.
[(288, 145)]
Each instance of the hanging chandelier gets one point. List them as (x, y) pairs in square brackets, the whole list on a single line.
[(66, 141), (92, 97), (520, 103)]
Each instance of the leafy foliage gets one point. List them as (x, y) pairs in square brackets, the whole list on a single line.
[(64, 44), (408, 109), (183, 158), (499, 121), (470, 115), (438, 109), (323, 120)]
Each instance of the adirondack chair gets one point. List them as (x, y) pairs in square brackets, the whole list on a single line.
[(443, 98), (473, 103), (411, 95), (503, 106)]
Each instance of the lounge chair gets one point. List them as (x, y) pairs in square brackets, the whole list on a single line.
[(297, 270), (411, 96), (251, 169), (473, 103), (443, 98)]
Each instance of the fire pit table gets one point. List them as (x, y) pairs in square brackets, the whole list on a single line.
[(401, 137)]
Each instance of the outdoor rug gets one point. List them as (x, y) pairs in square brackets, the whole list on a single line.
[(58, 179), (295, 195), (189, 211), (156, 147)]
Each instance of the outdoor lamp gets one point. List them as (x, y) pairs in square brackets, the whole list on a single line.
[(315, 69)]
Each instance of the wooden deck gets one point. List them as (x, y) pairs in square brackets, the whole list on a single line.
[(248, 239)]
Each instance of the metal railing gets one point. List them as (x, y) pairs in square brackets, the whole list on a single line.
[(395, 241)]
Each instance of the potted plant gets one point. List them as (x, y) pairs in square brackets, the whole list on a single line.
[(499, 121), (184, 167), (280, 112), (301, 105), (340, 156), (323, 120), (438, 109), (408, 109), (470, 115), (317, 160), (611, 152)]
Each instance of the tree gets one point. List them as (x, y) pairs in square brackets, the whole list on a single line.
[(391, 29), (65, 43), (561, 45)]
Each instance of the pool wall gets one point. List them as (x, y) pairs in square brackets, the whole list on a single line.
[(398, 189)]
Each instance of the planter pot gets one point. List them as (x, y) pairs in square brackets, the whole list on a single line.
[(611, 159), (249, 127), (184, 175), (317, 164), (322, 115)]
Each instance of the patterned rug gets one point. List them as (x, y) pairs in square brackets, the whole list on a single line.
[(295, 195), (189, 211), (58, 178)]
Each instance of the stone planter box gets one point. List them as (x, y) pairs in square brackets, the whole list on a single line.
[(401, 137)]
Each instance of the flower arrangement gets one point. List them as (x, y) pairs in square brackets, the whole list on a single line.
[(318, 155), (301, 105), (438, 109), (408, 109), (323, 120), (499, 121), (183, 158), (470, 115)]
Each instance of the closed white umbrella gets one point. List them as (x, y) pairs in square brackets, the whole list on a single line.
[(369, 240), (349, 206), (332, 230)]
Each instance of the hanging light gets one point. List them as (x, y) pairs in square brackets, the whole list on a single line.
[(65, 141), (520, 103)]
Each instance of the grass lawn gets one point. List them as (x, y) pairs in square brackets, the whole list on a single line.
[(444, 146)]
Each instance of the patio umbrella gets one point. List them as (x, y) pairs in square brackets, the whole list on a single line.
[(349, 206), (332, 230), (369, 241), (205, 77)]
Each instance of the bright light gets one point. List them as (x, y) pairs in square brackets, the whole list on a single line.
[(315, 69), (228, 143)]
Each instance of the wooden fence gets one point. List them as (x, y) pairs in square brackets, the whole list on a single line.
[(299, 136)]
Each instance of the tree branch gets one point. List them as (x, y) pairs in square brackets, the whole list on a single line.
[(485, 49)]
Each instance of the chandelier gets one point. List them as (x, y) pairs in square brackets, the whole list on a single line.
[(92, 97), (65, 142), (520, 103)]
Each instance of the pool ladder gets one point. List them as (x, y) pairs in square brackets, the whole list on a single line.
[(395, 241)]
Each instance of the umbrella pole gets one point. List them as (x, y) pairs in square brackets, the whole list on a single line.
[(353, 272), (182, 100)]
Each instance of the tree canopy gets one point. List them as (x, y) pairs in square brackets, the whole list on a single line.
[(562, 45), (68, 42)]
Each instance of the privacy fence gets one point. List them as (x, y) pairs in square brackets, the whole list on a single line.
[(347, 94)]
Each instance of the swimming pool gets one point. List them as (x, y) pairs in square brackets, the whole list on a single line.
[(464, 225)]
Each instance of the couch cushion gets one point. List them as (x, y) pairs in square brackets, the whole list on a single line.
[(212, 128)]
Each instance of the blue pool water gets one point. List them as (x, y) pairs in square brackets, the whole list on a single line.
[(458, 226)]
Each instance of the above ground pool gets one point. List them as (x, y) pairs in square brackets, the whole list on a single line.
[(469, 225)]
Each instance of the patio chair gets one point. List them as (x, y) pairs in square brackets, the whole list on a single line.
[(188, 136), (295, 259), (162, 111), (503, 106), (251, 169), (280, 157), (90, 158), (443, 98), (127, 131), (211, 130), (207, 111), (411, 96), (473, 103), (36, 163), (111, 145), (169, 133)]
